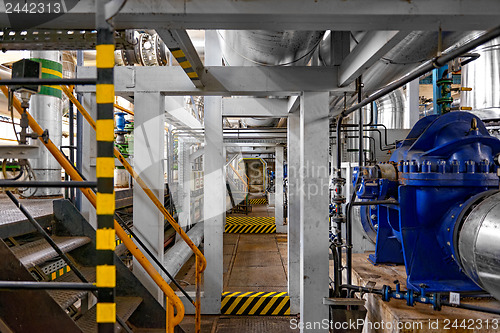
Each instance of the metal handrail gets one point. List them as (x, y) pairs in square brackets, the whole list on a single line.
[(63, 256), (239, 176), (172, 299), (201, 262)]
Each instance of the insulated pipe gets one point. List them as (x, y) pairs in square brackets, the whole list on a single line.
[(478, 244), (179, 254), (427, 67), (361, 154), (46, 108)]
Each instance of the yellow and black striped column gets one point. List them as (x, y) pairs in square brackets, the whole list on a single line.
[(105, 206)]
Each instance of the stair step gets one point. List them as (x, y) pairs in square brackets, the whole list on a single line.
[(125, 307), (65, 298), (37, 252)]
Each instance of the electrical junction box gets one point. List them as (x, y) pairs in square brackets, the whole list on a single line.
[(26, 69)]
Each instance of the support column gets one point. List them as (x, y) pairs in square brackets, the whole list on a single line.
[(214, 188), (293, 153), (89, 154), (278, 190), (184, 192), (413, 90), (314, 263), (148, 162)]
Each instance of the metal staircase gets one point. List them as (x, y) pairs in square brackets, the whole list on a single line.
[(237, 187), (24, 259)]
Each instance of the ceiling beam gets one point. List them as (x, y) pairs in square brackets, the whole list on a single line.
[(221, 80), (254, 107), (182, 48), (373, 46), (338, 15)]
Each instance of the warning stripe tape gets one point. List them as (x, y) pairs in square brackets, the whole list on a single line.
[(258, 201), (59, 272), (250, 229), (245, 219), (255, 303), (250, 223), (184, 63)]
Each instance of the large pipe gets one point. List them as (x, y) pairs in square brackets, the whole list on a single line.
[(179, 254), (483, 76), (427, 67), (46, 108), (406, 56), (268, 48), (478, 244), (391, 109)]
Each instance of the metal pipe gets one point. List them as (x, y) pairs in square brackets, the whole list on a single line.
[(472, 307), (64, 184), (79, 135), (71, 144), (25, 285), (476, 244), (361, 153), (361, 289), (375, 202), (427, 67), (178, 254), (388, 147)]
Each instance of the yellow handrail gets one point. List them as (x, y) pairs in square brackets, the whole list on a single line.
[(200, 257), (129, 243), (121, 108), (237, 174)]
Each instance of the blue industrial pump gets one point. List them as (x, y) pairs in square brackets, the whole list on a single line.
[(440, 210)]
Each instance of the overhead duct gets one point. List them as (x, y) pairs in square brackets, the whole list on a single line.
[(391, 109), (483, 76), (407, 55), (268, 48)]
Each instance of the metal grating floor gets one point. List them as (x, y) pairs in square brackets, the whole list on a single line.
[(11, 214), (254, 324), (125, 307), (65, 298), (37, 252)]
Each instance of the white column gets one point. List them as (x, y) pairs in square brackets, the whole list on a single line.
[(314, 135), (278, 192), (89, 153), (293, 154), (412, 114), (149, 140), (184, 195), (214, 188)]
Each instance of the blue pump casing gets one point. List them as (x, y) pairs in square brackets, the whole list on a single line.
[(444, 162)]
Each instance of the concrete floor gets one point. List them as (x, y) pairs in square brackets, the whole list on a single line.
[(258, 210), (251, 262), (255, 262)]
